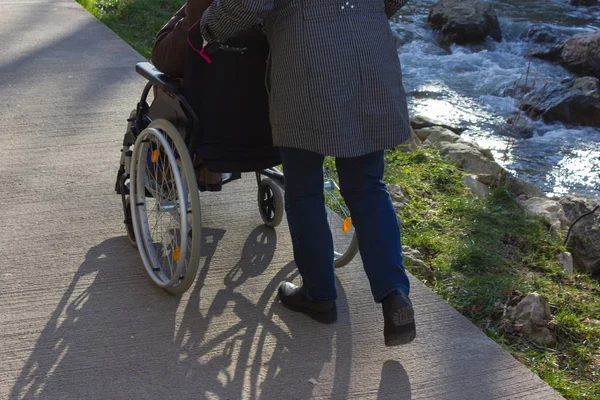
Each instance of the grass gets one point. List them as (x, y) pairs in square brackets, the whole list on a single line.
[(483, 252), (136, 21), (489, 252)]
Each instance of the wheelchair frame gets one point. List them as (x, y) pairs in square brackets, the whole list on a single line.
[(171, 106)]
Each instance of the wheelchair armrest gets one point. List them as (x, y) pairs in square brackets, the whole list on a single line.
[(157, 78)]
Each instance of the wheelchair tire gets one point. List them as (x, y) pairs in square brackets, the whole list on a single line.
[(165, 207), (345, 241), (129, 225), (270, 202), (343, 259)]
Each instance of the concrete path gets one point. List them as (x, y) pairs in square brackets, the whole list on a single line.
[(79, 318)]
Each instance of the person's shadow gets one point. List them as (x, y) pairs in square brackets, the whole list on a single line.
[(395, 384)]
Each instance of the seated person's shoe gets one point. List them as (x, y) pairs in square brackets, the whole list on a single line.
[(399, 319), (206, 179), (293, 297)]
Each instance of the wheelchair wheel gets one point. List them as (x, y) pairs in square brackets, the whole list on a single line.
[(129, 223), (165, 207), (338, 215), (270, 202)]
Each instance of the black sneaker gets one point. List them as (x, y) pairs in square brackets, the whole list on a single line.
[(399, 319), (293, 297)]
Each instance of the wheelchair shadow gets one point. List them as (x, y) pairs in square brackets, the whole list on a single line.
[(269, 351), (115, 335)]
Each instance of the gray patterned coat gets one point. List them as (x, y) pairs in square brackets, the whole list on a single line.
[(335, 80)]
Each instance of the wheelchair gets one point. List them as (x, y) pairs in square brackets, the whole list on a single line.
[(160, 194)]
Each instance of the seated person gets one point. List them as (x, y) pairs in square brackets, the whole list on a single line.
[(254, 149), (168, 55)]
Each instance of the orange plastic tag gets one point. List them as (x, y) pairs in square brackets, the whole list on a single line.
[(347, 225), (155, 155), (176, 254)]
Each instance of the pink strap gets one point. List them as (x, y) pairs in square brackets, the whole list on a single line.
[(204, 52)]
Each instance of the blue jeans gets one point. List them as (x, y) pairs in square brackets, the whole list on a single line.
[(373, 216)]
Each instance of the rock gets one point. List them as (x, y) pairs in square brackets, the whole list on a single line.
[(465, 21), (550, 210), (584, 2), (399, 194), (584, 241), (422, 134), (412, 144), (413, 258), (530, 318), (581, 53), (439, 134), (420, 122), (468, 158), (519, 187), (516, 186), (487, 153), (546, 53), (573, 101), (487, 179), (478, 189), (566, 259), (545, 40), (543, 34)]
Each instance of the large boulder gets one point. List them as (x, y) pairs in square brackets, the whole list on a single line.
[(478, 189), (437, 134), (544, 35), (550, 210), (465, 21), (584, 242), (421, 121), (468, 158), (573, 101), (579, 54), (411, 144), (513, 184)]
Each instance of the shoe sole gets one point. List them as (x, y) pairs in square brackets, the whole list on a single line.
[(324, 318), (405, 328)]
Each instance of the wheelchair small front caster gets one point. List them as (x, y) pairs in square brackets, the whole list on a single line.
[(270, 202)]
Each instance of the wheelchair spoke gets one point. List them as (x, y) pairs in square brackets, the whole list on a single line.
[(168, 207)]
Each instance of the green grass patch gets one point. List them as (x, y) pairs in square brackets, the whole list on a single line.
[(136, 21), (489, 252)]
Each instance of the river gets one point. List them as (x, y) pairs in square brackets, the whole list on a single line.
[(465, 88)]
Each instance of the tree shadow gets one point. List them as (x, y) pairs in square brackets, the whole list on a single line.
[(93, 330), (115, 335)]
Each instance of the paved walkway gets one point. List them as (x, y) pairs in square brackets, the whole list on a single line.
[(79, 318)]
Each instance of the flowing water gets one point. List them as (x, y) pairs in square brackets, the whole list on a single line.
[(465, 87)]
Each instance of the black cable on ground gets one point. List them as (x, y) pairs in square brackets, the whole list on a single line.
[(576, 221)]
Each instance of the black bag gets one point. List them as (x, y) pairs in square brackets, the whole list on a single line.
[(228, 93)]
